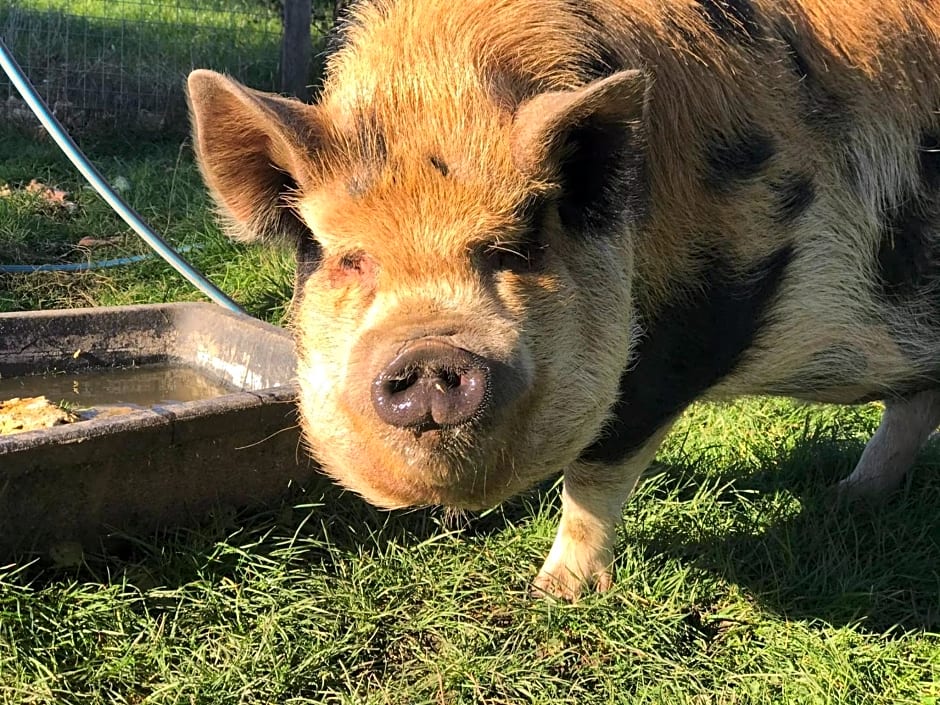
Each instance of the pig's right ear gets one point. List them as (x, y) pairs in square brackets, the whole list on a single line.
[(253, 150)]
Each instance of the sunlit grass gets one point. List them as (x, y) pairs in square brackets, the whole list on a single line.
[(165, 188), (739, 582)]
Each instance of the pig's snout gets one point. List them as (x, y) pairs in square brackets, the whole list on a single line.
[(431, 385)]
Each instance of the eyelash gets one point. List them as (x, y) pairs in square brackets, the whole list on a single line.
[(519, 257)]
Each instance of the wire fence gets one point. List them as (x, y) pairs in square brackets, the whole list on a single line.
[(121, 64)]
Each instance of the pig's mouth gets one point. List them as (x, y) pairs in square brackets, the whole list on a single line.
[(468, 466), (472, 466)]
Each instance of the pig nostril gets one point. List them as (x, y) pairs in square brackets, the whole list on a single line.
[(447, 380), (431, 385), (400, 384)]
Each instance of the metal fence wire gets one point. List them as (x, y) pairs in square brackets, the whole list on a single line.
[(121, 64)]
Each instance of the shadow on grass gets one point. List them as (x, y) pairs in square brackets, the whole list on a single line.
[(777, 533), (320, 526), (807, 556)]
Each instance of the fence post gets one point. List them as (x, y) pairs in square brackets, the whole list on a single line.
[(296, 48)]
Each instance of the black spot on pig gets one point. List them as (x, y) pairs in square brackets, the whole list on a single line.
[(733, 158), (688, 347)]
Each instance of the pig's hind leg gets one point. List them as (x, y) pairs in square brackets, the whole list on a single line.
[(905, 427)]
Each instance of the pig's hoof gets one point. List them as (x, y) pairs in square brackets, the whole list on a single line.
[(869, 491), (563, 583)]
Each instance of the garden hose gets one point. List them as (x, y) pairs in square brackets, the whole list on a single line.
[(104, 189), (79, 266)]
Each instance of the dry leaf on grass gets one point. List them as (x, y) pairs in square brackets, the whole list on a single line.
[(91, 242), (52, 196), (47, 195)]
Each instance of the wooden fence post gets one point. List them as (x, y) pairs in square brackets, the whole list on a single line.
[(296, 48)]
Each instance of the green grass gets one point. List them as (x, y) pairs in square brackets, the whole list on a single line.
[(210, 13), (165, 188), (739, 582), (739, 579), (106, 64)]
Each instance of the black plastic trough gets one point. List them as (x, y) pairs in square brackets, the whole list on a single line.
[(163, 466)]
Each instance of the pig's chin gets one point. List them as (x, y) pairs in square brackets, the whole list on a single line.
[(473, 496), (434, 468)]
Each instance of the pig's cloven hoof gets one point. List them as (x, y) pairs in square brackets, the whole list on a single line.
[(562, 583), (872, 491)]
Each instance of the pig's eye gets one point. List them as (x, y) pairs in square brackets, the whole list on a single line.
[(352, 262), (519, 257), (353, 268)]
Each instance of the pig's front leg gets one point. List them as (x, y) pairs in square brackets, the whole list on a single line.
[(592, 508)]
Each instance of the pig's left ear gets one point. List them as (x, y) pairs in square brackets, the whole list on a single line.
[(590, 141), (253, 150)]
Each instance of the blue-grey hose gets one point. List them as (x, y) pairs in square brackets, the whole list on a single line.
[(87, 169), (79, 266)]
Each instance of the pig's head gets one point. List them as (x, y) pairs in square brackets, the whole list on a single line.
[(462, 305)]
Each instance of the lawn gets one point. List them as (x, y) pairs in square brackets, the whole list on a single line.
[(740, 581), (119, 64), (163, 184)]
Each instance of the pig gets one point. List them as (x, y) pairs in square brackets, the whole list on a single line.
[(530, 233)]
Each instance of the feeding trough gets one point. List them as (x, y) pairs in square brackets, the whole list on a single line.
[(181, 407)]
